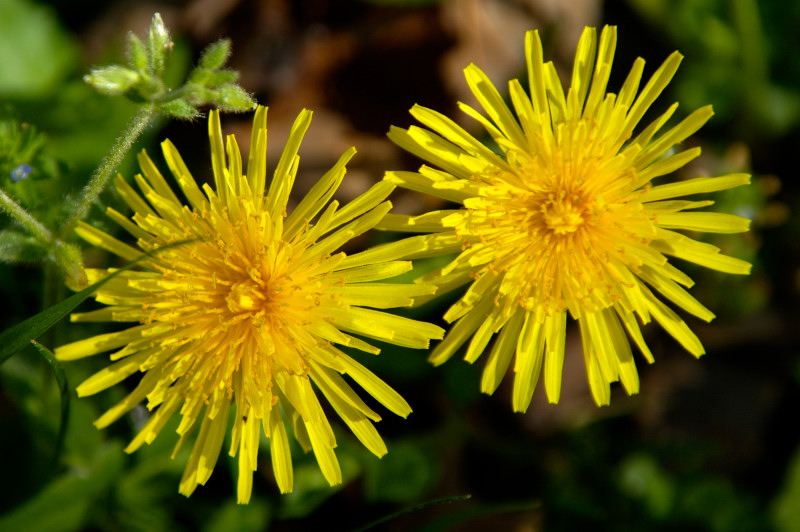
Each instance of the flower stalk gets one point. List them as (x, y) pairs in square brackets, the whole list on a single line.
[(25, 219), (110, 162)]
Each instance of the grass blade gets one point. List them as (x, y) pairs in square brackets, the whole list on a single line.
[(392, 517), (61, 379)]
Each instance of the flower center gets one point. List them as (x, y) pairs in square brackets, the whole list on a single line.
[(247, 296), (562, 214)]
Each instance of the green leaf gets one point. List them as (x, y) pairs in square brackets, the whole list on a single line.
[(215, 55), (63, 388), (17, 337)]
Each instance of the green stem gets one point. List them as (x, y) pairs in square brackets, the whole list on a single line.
[(173, 94), (110, 163), (18, 212)]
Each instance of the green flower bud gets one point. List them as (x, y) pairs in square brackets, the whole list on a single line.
[(179, 108), (137, 53), (113, 79), (159, 46), (215, 55), (234, 98)]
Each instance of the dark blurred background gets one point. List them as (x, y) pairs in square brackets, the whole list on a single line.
[(708, 445)]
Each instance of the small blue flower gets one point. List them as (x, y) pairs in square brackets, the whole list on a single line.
[(21, 172)]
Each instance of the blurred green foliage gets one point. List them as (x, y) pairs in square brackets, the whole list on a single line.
[(786, 506), (25, 165), (689, 499), (40, 78), (405, 474), (738, 58), (65, 503), (37, 52), (253, 517)]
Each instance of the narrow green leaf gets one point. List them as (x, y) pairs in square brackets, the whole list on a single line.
[(479, 513), (392, 517), (17, 337), (61, 380)]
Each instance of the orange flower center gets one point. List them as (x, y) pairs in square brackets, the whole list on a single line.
[(247, 296), (562, 214)]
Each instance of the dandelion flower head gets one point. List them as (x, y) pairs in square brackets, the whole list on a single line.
[(567, 215), (244, 319)]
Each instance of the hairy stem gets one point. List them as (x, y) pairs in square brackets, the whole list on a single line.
[(26, 219), (110, 162)]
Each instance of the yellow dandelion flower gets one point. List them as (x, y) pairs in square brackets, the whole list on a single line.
[(564, 218), (248, 313)]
